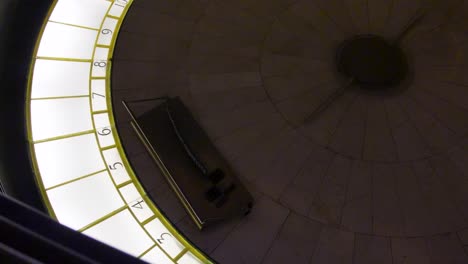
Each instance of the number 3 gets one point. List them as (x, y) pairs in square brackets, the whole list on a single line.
[(162, 237)]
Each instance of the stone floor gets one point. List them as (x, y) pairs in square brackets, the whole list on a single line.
[(373, 179)]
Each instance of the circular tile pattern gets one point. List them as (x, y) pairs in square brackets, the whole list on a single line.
[(300, 74), (379, 176)]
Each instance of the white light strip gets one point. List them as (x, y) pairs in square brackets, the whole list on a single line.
[(81, 168)]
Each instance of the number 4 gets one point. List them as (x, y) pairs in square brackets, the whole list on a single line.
[(138, 204)]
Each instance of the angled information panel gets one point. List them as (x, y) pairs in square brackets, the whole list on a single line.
[(81, 169), (201, 178)]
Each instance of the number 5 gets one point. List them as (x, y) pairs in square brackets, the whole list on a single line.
[(114, 166)]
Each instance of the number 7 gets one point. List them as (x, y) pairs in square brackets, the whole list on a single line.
[(100, 95)]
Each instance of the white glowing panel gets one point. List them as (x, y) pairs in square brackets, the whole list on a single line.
[(156, 255), (102, 120), (101, 54), (122, 232), (104, 130), (66, 159), (129, 193), (98, 94), (118, 8), (54, 78), (189, 258), (164, 238), (58, 117), (100, 62), (86, 13), (63, 41), (82, 202), (107, 31), (116, 167), (136, 203)]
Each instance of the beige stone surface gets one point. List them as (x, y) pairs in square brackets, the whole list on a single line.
[(374, 178)]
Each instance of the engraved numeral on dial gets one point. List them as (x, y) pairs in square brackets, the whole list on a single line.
[(104, 131), (162, 237), (114, 166)]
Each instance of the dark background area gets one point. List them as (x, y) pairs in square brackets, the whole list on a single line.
[(20, 24)]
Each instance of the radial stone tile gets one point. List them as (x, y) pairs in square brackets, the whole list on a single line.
[(410, 250), (446, 248), (388, 216), (357, 210), (334, 246), (253, 237), (296, 241), (372, 249), (414, 208)]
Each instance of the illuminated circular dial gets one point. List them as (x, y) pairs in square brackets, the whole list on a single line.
[(82, 171)]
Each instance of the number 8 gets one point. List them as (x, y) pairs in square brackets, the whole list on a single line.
[(101, 64)]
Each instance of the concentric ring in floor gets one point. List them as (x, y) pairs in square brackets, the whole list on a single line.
[(375, 178)]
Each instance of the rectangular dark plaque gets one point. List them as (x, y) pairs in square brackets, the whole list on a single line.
[(199, 175)]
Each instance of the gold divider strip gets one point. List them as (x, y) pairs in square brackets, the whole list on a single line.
[(74, 180), (63, 59), (146, 251), (102, 219), (176, 258), (59, 97), (64, 136), (73, 25)]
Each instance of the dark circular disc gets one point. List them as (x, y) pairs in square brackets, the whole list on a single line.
[(372, 62)]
